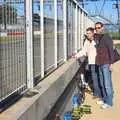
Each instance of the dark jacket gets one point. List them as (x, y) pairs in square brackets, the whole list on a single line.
[(104, 45)]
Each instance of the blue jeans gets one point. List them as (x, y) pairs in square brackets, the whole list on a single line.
[(106, 84), (95, 80)]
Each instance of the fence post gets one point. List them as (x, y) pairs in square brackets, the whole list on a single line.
[(82, 27), (55, 32), (65, 29), (76, 23), (42, 38), (29, 43)]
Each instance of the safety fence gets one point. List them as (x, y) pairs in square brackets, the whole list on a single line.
[(36, 37)]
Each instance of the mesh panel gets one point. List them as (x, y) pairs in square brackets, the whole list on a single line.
[(12, 47), (60, 30), (36, 38), (49, 34)]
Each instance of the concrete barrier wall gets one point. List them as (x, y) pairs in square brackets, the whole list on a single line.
[(38, 106)]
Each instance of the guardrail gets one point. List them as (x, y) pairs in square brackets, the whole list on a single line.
[(27, 56)]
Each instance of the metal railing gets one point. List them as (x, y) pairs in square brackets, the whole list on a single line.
[(35, 38)]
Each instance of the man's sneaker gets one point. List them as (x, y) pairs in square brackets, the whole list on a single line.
[(100, 102), (104, 106)]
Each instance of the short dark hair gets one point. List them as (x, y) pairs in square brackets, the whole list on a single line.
[(90, 29), (100, 23)]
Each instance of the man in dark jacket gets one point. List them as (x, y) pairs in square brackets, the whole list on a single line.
[(104, 60)]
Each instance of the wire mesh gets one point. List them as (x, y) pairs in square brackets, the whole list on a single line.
[(73, 28), (60, 31), (36, 39), (49, 43), (69, 32), (12, 47)]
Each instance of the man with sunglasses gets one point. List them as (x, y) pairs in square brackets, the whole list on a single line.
[(104, 60)]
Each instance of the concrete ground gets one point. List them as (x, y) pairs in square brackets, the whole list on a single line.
[(116, 41), (111, 113)]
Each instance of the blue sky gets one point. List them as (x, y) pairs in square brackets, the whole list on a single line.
[(107, 11), (92, 8)]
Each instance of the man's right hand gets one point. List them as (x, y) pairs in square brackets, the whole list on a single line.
[(76, 56)]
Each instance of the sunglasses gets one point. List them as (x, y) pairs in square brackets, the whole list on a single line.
[(97, 27)]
